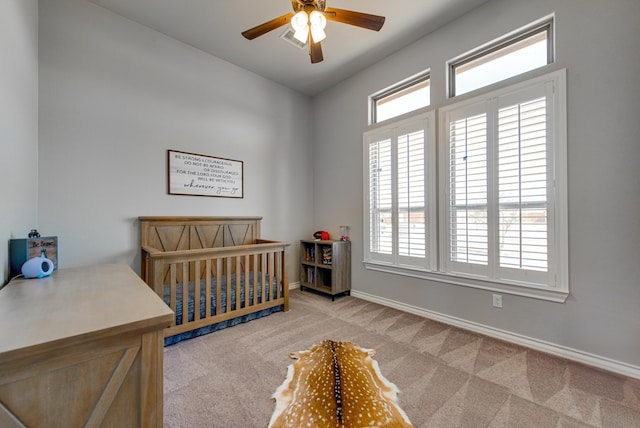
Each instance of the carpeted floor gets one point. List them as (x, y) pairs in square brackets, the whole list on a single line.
[(447, 377)]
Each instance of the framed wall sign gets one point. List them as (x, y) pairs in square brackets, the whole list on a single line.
[(200, 175)]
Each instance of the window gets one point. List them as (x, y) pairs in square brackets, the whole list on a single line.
[(402, 98), (527, 50), (498, 218), (400, 182), (505, 192)]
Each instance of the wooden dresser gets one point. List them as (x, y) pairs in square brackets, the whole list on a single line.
[(83, 347)]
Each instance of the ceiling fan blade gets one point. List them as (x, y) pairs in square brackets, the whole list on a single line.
[(359, 19), (264, 28), (315, 52)]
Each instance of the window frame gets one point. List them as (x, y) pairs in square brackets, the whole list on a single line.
[(545, 24), (417, 79), (436, 268), (556, 276)]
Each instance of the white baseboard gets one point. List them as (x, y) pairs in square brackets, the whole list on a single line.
[(532, 343)]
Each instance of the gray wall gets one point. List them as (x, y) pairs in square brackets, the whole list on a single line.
[(18, 123), (115, 95), (598, 44)]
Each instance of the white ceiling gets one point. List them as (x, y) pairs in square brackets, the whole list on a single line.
[(214, 26)]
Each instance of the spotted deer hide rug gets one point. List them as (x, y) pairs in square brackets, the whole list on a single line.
[(336, 384)]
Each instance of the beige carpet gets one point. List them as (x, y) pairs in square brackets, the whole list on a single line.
[(447, 377)]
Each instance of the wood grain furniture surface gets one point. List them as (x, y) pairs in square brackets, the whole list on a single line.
[(325, 266), (82, 347), (225, 256)]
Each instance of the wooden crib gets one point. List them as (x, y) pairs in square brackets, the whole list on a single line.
[(213, 272)]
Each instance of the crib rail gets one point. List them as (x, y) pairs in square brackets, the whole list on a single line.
[(230, 269)]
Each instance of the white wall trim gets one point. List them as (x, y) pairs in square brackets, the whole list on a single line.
[(532, 343), (506, 287)]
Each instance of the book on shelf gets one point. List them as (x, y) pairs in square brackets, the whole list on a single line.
[(326, 255), (310, 254)]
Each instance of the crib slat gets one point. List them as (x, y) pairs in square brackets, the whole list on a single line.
[(263, 270), (218, 285), (281, 279), (172, 282), (185, 292), (246, 280), (228, 284), (278, 279), (196, 291), (285, 280), (270, 274), (237, 289), (207, 288), (255, 279)]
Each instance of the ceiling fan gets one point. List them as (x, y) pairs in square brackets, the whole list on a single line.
[(309, 18)]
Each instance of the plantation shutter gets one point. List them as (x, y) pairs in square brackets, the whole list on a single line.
[(380, 197), (411, 194), (397, 159), (468, 223), (498, 213), (522, 185)]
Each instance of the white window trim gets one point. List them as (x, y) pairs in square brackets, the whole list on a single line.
[(559, 253), (423, 76), (496, 44)]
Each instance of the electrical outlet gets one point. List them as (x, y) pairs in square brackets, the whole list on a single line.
[(497, 300)]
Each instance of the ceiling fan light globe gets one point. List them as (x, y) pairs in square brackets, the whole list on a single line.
[(317, 20), (299, 21), (302, 35), (318, 34)]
